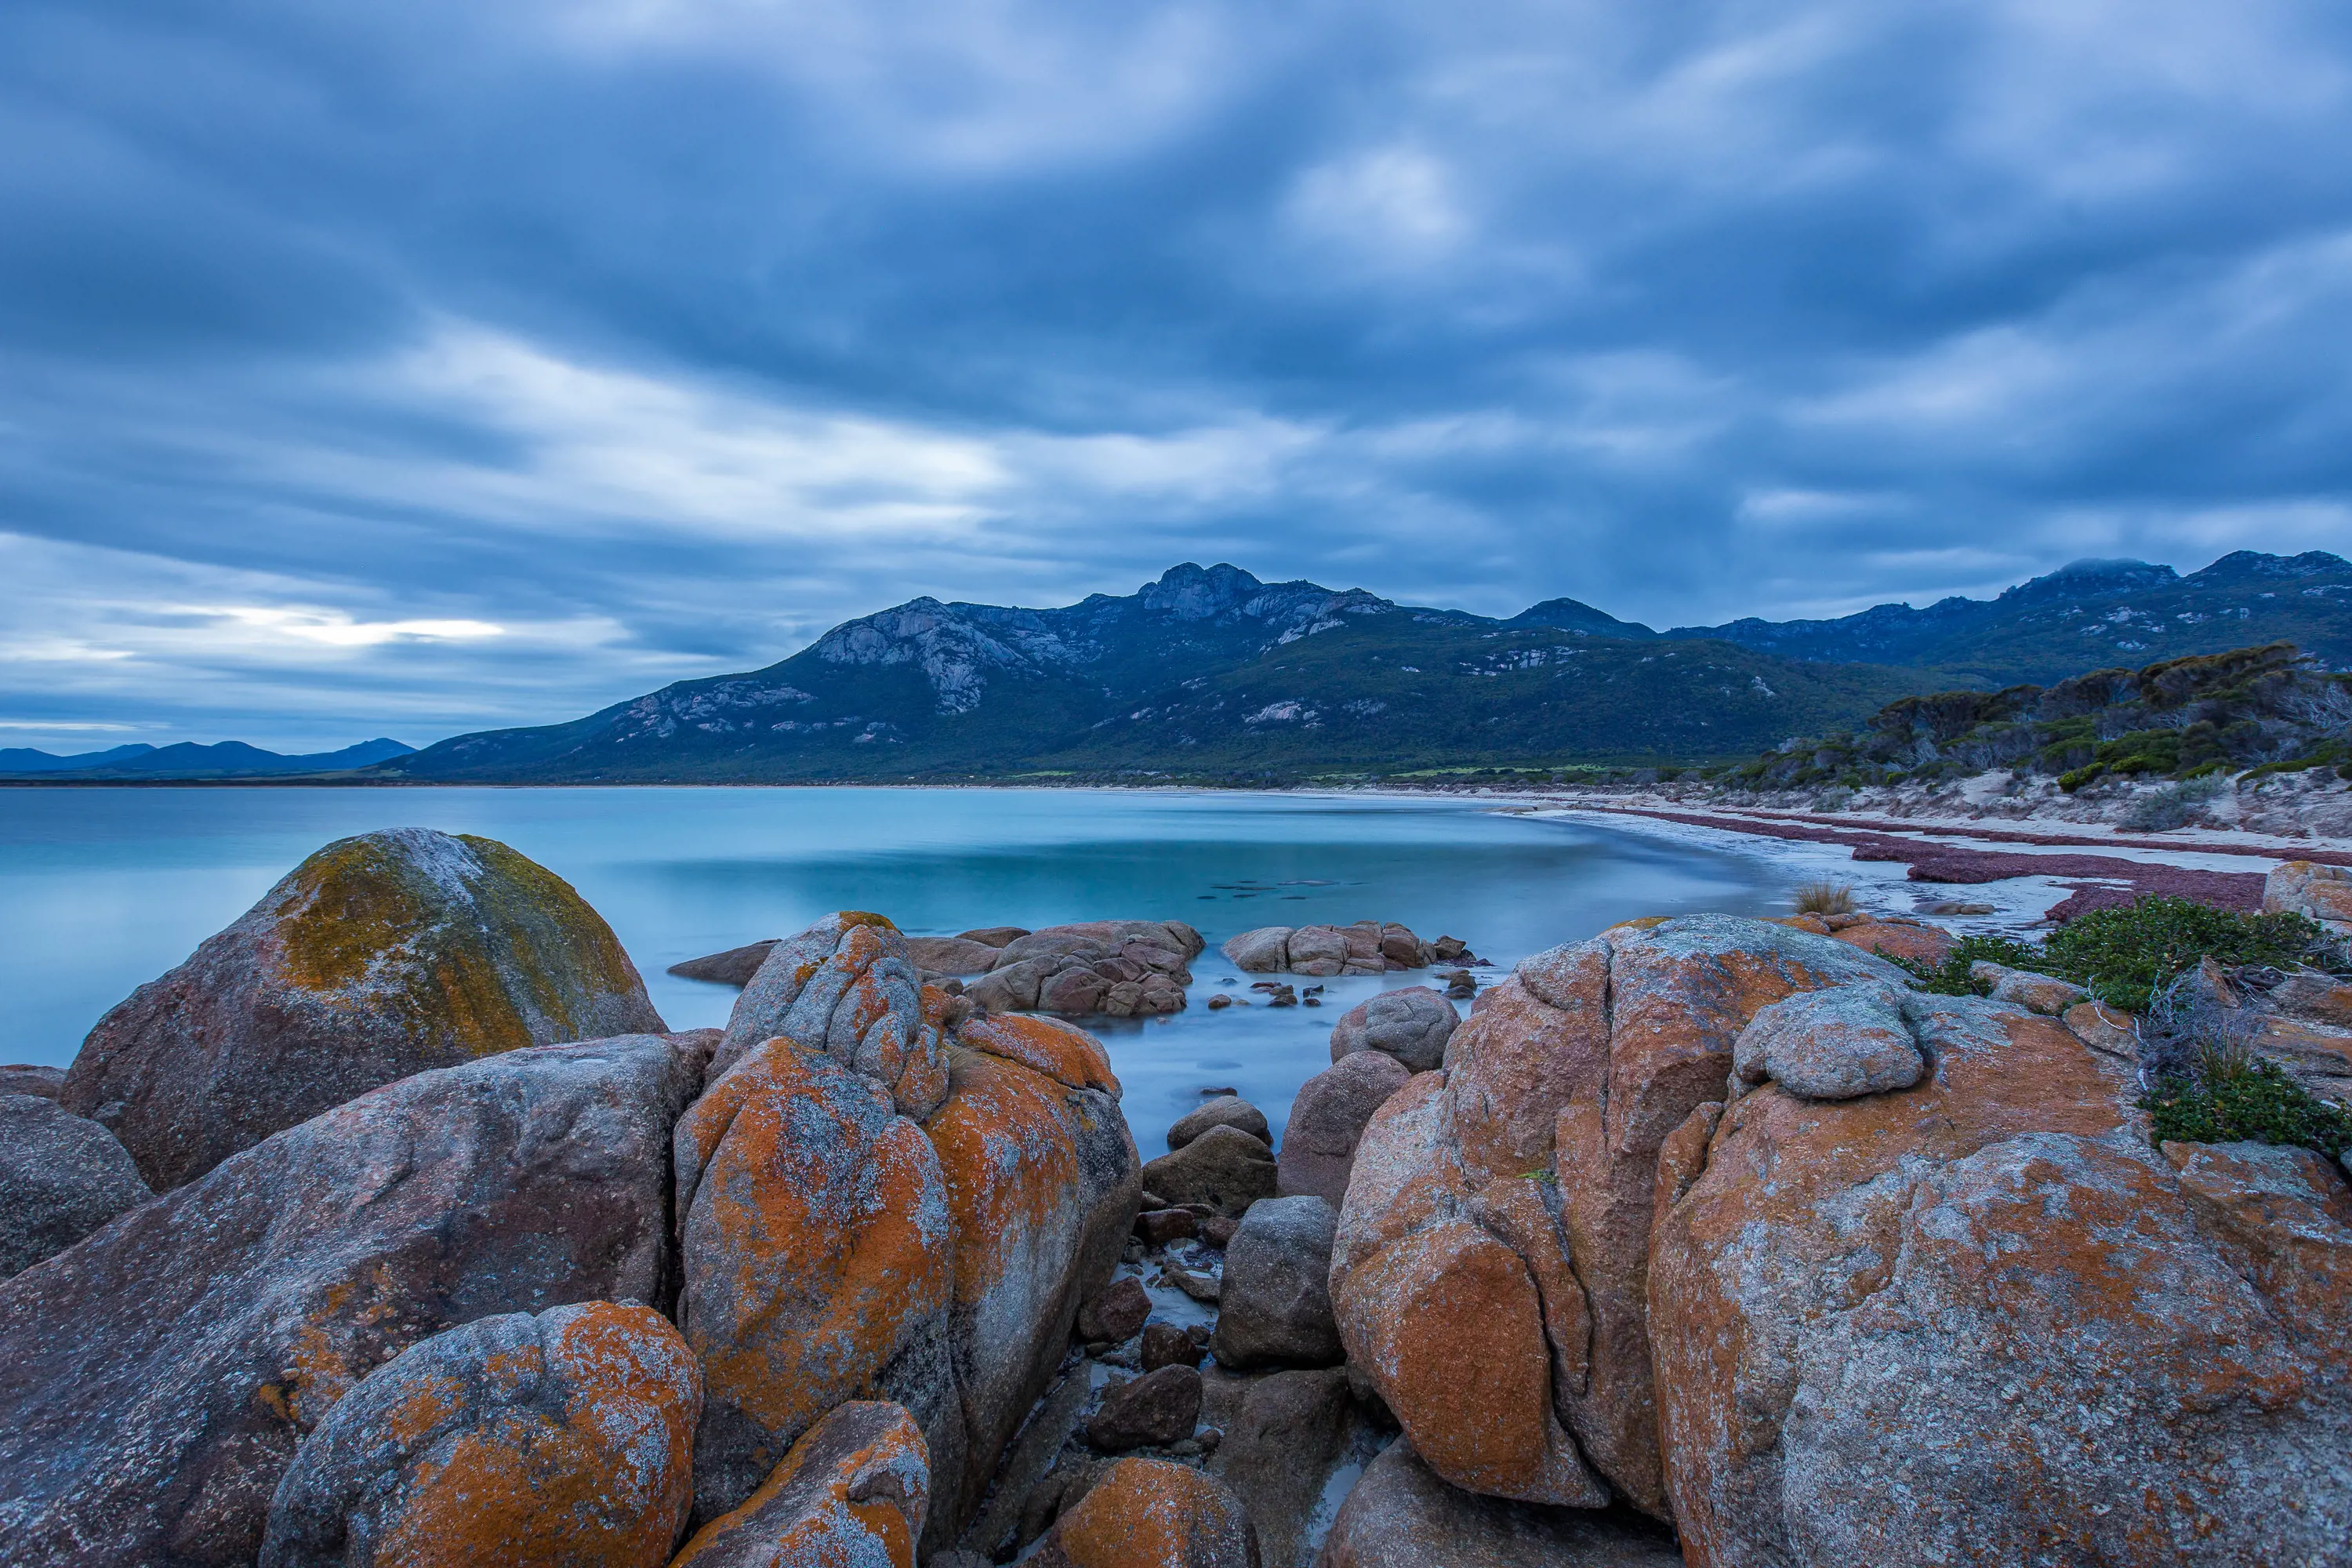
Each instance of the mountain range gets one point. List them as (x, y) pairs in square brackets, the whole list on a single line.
[(227, 760), (1210, 672)]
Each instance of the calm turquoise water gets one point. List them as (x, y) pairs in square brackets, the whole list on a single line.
[(101, 889)]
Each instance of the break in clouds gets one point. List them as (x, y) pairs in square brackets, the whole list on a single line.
[(411, 369)]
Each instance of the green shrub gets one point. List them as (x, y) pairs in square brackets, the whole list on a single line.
[(2123, 956), (1951, 978), (2236, 1098)]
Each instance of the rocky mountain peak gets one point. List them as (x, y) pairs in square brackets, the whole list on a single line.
[(2089, 578), (1193, 593)]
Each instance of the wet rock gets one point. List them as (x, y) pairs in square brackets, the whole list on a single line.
[(1149, 1412), (1115, 1314), (1318, 950), (1150, 1513), (1276, 1305), (815, 1232), (845, 987), (1460, 985), (2043, 994), (24, 1077), (733, 967), (1835, 1044), (1283, 1441), (1197, 1283), (1224, 1168), (380, 956), (155, 1379), (1982, 1316), (856, 1489), (1225, 1110), (953, 954), (1158, 1227), (61, 1177), (1401, 1515), (560, 1438), (1165, 1344), (1327, 1120), (1221, 1001), (1412, 1024), (2312, 889), (1489, 1274)]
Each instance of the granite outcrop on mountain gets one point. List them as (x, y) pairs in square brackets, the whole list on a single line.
[(380, 956)]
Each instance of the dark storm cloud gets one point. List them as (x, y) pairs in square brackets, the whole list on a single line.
[(431, 366)]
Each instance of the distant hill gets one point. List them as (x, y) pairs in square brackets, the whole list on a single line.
[(1206, 671), (2090, 614), (227, 759)]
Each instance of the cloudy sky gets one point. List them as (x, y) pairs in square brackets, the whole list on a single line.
[(412, 368)]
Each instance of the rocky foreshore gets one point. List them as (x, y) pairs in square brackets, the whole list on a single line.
[(396, 1227)]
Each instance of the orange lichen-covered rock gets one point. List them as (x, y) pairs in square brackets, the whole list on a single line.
[(1149, 1514), (561, 1440), (1511, 1204), (813, 1235), (854, 1491), (1042, 1182), (378, 956), (845, 987), (1912, 942), (1979, 1320), (1062, 1052), (156, 1377)]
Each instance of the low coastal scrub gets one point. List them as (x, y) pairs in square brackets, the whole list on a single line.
[(2233, 1097), (2126, 956), (2253, 711)]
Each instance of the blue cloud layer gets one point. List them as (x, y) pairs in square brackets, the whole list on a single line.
[(423, 367)]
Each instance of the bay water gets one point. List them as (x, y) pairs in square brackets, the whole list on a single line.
[(103, 888)]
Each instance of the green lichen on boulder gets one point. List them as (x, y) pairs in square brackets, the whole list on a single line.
[(380, 956)]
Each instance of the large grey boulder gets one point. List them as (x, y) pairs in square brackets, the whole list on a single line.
[(1401, 1515), (1224, 1168), (1836, 1044), (61, 1177), (1412, 1024), (1328, 1121), (380, 956), (1285, 1439), (1265, 951), (1277, 1307), (563, 1437), (156, 1379)]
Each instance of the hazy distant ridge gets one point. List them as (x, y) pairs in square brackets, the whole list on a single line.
[(227, 759)]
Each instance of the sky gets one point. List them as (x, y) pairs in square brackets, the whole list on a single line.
[(409, 369)]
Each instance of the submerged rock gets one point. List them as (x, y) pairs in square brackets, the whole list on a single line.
[(155, 1379), (61, 1177), (564, 1438), (380, 956), (855, 1490)]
